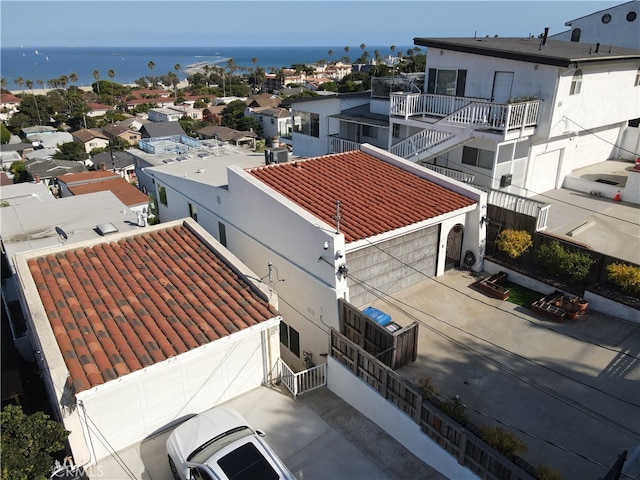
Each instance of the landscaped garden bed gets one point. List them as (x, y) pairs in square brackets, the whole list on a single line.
[(494, 286)]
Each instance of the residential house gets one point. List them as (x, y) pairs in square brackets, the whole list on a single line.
[(276, 123), (137, 330), (90, 139), (117, 161), (161, 129), (51, 140), (9, 104), (174, 113), (33, 219), (228, 135), (617, 25), (133, 123), (512, 114), (100, 181), (264, 100), (335, 226), (119, 131), (43, 170), (99, 109)]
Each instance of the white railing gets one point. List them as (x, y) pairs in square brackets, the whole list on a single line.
[(419, 142), (455, 174), (466, 110), (339, 145), (304, 381), (522, 205)]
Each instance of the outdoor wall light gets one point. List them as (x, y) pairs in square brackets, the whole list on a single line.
[(485, 220)]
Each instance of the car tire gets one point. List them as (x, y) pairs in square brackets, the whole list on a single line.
[(174, 470)]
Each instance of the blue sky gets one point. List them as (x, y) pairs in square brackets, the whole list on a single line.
[(275, 23)]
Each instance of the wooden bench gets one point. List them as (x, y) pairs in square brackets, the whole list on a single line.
[(494, 286)]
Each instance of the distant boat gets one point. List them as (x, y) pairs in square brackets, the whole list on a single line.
[(47, 58), (37, 53)]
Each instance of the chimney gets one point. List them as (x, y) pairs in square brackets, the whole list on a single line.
[(103, 167), (544, 37), (36, 178)]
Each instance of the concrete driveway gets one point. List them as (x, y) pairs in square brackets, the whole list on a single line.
[(571, 390), (317, 435)]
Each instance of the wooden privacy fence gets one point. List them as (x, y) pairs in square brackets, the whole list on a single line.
[(461, 442), (393, 348)]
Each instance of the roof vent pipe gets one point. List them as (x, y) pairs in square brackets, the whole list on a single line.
[(544, 37)]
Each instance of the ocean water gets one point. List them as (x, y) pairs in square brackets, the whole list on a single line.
[(131, 63)]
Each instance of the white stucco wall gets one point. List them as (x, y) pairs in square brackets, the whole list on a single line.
[(393, 421)]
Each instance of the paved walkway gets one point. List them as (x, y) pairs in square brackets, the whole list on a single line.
[(572, 389)]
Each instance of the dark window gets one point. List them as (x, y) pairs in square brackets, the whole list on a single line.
[(631, 16), (606, 18), (162, 194), (290, 338), (222, 233), (477, 158), (576, 83), (193, 211), (575, 35), (447, 82), (309, 124)]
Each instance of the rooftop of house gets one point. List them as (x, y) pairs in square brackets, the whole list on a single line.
[(116, 307), (375, 196), (119, 160), (84, 135), (47, 168), (533, 49), (101, 181), (29, 221), (225, 134), (161, 129)]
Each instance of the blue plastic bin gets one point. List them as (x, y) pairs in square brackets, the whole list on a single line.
[(377, 316)]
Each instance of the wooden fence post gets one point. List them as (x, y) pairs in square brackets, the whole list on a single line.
[(462, 448)]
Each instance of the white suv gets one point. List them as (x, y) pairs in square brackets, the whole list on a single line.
[(219, 445)]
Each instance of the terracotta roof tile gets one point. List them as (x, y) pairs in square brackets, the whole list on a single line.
[(375, 196), (120, 306)]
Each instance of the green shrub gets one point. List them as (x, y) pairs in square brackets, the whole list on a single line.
[(455, 409), (625, 276), (561, 261), (547, 473), (504, 441), (514, 242)]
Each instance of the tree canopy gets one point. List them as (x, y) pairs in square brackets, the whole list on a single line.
[(71, 151), (27, 442)]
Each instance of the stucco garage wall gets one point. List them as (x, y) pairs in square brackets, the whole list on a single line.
[(125, 411), (393, 264)]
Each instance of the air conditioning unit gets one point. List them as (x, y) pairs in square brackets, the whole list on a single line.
[(276, 155)]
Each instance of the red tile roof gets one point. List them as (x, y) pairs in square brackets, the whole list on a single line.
[(375, 196), (102, 181), (118, 307)]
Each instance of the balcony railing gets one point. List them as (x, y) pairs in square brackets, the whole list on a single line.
[(466, 110), (304, 381), (455, 174), (340, 145)]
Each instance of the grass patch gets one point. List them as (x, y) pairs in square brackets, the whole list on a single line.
[(521, 295)]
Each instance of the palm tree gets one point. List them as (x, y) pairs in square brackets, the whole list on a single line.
[(96, 76), (19, 81), (3, 82), (362, 47), (112, 74), (254, 60), (151, 65), (177, 68), (330, 55), (64, 80), (29, 84), (73, 77)]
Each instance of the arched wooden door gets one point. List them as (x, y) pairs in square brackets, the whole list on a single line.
[(454, 247)]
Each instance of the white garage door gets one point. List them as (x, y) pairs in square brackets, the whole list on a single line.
[(125, 413), (545, 172), (392, 265)]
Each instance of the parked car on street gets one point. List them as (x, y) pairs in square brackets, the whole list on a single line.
[(219, 445)]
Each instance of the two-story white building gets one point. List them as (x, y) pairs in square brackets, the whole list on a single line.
[(515, 114), (316, 230)]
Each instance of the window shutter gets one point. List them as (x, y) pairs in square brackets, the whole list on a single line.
[(462, 82)]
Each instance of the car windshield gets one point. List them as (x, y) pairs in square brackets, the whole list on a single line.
[(247, 463), (205, 451)]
